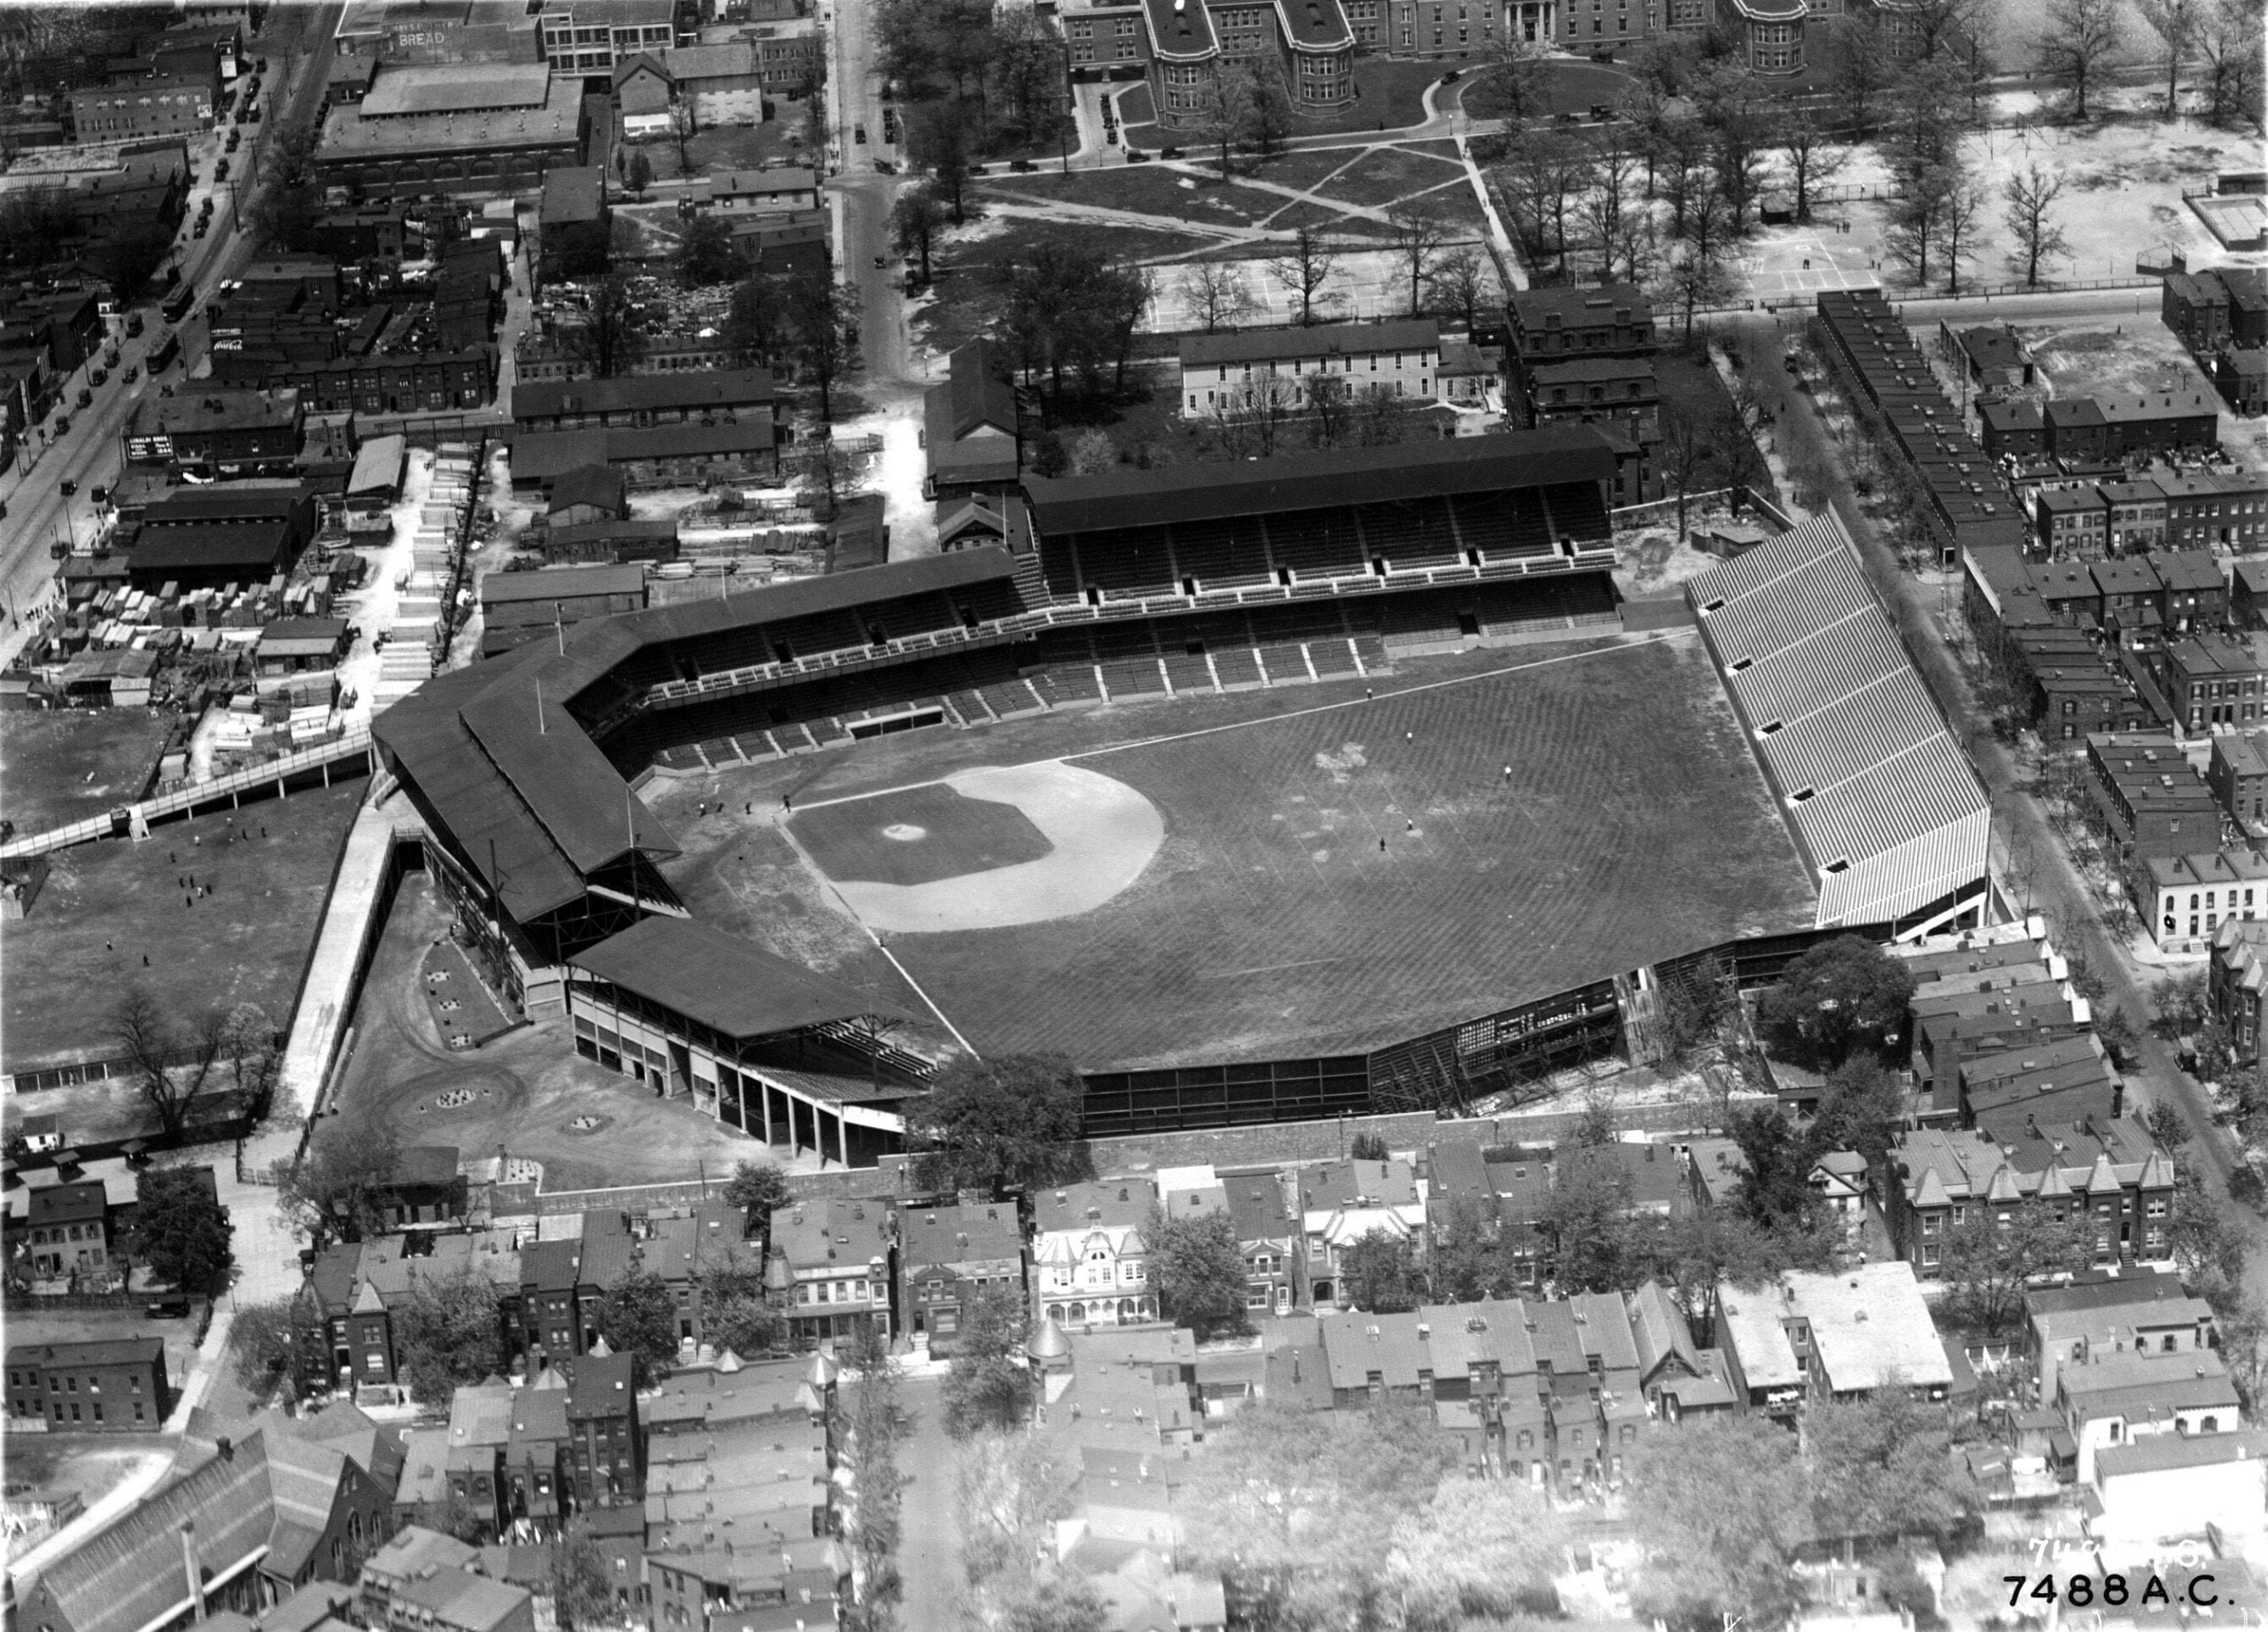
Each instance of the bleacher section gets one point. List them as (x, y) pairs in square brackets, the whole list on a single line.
[(1883, 806)]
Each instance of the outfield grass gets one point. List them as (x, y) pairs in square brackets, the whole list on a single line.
[(1271, 925), (59, 768), (107, 906)]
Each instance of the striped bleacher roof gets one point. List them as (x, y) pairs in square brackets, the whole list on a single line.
[(1852, 742)]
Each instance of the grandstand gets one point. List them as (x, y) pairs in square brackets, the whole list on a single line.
[(1198, 581), (1887, 810)]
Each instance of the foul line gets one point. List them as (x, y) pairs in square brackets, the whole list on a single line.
[(1651, 638)]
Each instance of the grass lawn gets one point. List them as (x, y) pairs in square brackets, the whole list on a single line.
[(1387, 173), (1568, 88), (1271, 925), (62, 767), (1144, 189), (1389, 94), (106, 907), (1691, 383), (1303, 170)]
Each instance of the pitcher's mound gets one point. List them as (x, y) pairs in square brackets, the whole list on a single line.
[(984, 849)]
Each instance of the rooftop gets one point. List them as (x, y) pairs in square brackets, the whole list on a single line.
[(729, 984), (1298, 342), (457, 89)]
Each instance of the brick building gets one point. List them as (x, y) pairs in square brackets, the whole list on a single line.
[(112, 1385)]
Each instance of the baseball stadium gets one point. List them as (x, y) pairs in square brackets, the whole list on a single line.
[(1313, 785)]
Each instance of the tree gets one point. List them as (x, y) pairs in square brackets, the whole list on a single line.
[(1864, 1110), (450, 1333), (1718, 1508), (613, 338), (637, 1317), (290, 201), (1696, 267), (1460, 284), (758, 1189), (736, 1312), (1542, 173), (2077, 45), (1840, 997), (1509, 84), (1198, 1271), (2180, 1004), (1093, 452), (988, 1385), (2232, 38), (937, 140), (2177, 23), (1775, 1190), (2167, 1127), (1369, 1147), (182, 1230), (1989, 1260), (172, 1063), (1056, 1600), (872, 1418), (1918, 216), (1590, 1239), (823, 320), (683, 127), (2030, 194), (582, 1592), (1964, 203), (1010, 1490), (272, 1344), (249, 1044), (1218, 294), (1610, 205), (1263, 107), (337, 1187), (706, 255), (1011, 1121), (1805, 140), (1418, 238), (1481, 1547), (915, 220), (1737, 118), (1379, 1274), (638, 175), (1300, 1509), (1880, 1468), (752, 322), (1303, 269), (1380, 418)]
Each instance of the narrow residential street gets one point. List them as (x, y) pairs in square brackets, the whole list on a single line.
[(929, 1557), (2059, 894)]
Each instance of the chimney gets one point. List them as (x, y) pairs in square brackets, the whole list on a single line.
[(192, 1575)]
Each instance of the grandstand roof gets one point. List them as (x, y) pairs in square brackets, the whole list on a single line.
[(1129, 498), (1851, 741), (510, 775), (730, 984)]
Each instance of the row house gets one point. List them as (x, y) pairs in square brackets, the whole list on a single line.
[(2154, 800), (2237, 981), (1270, 1242), (1342, 1203), (684, 1249), (2108, 1170), (2115, 1398), (2186, 899), (2214, 509), (833, 1262), (1677, 1377), (1089, 1257), (2238, 775), (1236, 368), (1821, 1337), (1542, 1391), (641, 400), (2099, 1313), (69, 1236), (952, 1254), (2212, 679), (353, 1290)]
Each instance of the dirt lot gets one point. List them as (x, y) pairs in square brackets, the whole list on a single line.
[(92, 1464), (59, 768), (527, 1090), (118, 913), (2119, 361)]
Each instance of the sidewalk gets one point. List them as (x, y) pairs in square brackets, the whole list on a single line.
[(327, 1001)]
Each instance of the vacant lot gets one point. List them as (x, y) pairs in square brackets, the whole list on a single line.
[(59, 768), (2122, 361), (121, 913), (1338, 871)]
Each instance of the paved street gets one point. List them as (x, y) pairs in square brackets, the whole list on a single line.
[(2019, 818), (929, 1557)]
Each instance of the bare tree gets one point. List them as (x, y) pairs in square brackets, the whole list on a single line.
[(614, 337), (1917, 217), (172, 1063), (1460, 284), (1804, 141), (1303, 269), (2030, 194), (1696, 269), (1418, 238), (1964, 203), (2077, 45), (1218, 293), (1685, 453), (1542, 173), (684, 125), (2233, 40), (1251, 427), (1609, 196), (1332, 401), (2177, 23), (1861, 69), (1380, 418), (1508, 83)]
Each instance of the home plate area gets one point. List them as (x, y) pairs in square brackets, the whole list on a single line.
[(984, 849)]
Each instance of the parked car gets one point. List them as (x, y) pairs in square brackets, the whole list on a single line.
[(110, 358), (97, 376), (133, 323), (881, 261), (133, 372), (1135, 155), (1452, 76), (255, 115), (68, 486), (885, 166), (203, 223), (236, 140), (859, 135), (221, 171), (168, 1308), (1022, 166), (86, 397), (63, 427), (100, 495)]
